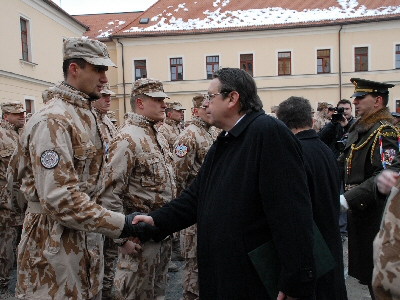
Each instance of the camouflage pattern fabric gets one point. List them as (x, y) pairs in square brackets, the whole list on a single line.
[(190, 279), (9, 220), (144, 277), (170, 129), (190, 150), (386, 275), (140, 172), (107, 131), (320, 121), (8, 237), (214, 131), (57, 164)]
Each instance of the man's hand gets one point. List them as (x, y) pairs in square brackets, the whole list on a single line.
[(143, 218), (130, 247), (142, 230), (343, 122), (386, 180)]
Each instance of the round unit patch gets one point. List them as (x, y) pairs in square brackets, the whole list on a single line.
[(181, 150), (49, 159)]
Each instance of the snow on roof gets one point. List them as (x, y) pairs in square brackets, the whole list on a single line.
[(218, 18)]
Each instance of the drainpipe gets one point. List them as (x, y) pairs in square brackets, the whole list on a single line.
[(340, 64), (123, 73)]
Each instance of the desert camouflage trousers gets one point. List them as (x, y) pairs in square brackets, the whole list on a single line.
[(144, 276), (110, 250), (8, 244), (190, 279), (190, 271)]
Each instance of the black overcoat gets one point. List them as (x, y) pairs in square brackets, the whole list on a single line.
[(323, 177), (251, 188)]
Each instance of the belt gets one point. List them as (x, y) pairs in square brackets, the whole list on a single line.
[(348, 187), (35, 208)]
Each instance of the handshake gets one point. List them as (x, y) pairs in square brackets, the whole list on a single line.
[(142, 230)]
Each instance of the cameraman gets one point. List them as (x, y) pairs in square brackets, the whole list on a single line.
[(334, 133), (336, 130)]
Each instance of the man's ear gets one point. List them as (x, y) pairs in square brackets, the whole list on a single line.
[(234, 99), (379, 101), (139, 103), (73, 69)]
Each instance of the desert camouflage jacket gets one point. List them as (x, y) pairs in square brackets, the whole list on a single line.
[(57, 164), (214, 131), (170, 129), (106, 128), (190, 150), (8, 143), (139, 169), (386, 275)]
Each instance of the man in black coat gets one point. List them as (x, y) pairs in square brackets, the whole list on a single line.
[(251, 189), (323, 178)]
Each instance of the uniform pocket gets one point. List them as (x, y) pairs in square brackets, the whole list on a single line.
[(152, 170), (127, 262)]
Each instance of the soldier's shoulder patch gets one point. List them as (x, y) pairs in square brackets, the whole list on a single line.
[(49, 159), (181, 150)]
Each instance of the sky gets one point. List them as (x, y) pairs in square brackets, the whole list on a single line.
[(84, 7)]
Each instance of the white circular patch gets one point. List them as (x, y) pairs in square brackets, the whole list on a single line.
[(181, 150), (49, 159)]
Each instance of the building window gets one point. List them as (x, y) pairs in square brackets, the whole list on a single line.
[(324, 61), (29, 106), (361, 59), (24, 39), (176, 68), (246, 63), (397, 56), (212, 65), (140, 69), (284, 63)]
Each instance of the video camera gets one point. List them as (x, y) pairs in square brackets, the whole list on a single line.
[(338, 115)]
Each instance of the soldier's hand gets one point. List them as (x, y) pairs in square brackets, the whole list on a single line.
[(130, 247), (386, 180), (142, 230)]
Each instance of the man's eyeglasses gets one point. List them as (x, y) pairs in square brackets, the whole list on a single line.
[(208, 97)]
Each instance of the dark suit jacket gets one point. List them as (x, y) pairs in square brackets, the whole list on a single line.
[(251, 188)]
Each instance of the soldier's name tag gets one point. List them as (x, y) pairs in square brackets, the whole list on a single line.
[(49, 159), (181, 150)]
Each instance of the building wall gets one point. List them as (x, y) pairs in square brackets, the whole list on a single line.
[(21, 80), (380, 37)]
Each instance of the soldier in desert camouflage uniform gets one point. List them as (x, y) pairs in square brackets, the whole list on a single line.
[(172, 125), (170, 128), (57, 165), (191, 148), (140, 172), (107, 131), (10, 222)]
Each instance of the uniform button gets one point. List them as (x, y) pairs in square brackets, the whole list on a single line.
[(310, 274)]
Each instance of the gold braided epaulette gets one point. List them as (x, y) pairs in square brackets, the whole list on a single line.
[(377, 133)]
